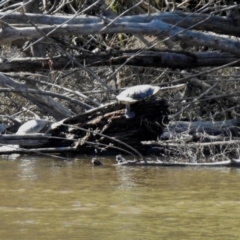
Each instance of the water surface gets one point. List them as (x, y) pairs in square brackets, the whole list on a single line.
[(45, 198)]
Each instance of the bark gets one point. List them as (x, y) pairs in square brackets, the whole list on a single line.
[(170, 59), (110, 120), (155, 27), (205, 22)]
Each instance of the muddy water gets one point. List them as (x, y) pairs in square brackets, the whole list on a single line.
[(44, 198)]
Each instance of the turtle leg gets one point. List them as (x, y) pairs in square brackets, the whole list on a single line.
[(128, 113)]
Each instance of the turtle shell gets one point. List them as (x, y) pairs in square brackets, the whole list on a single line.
[(32, 126), (137, 93)]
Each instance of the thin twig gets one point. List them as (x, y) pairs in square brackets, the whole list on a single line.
[(194, 100), (110, 138)]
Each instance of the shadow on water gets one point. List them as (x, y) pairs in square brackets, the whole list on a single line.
[(44, 198)]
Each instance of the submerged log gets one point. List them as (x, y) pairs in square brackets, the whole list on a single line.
[(228, 163), (15, 149)]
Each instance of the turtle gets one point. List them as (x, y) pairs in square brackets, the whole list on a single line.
[(120, 159), (96, 162), (137, 93), (34, 126)]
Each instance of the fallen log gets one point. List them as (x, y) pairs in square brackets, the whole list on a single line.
[(153, 59), (110, 120), (104, 127), (226, 163), (179, 144), (226, 128), (36, 140), (107, 129), (195, 140), (30, 140), (15, 149)]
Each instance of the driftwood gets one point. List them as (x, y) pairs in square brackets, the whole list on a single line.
[(192, 140), (106, 128), (35, 140), (228, 163), (194, 151), (16, 149), (154, 27), (31, 140), (182, 60), (207, 22), (109, 121), (226, 128), (44, 102), (141, 132), (145, 24)]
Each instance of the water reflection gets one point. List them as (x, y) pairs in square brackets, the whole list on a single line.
[(126, 178), (52, 199), (27, 170)]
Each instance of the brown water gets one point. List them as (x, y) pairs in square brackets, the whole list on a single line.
[(51, 199)]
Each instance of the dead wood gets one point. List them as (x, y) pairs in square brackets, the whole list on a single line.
[(205, 86), (182, 60), (227, 128), (105, 123), (228, 163), (38, 49), (30, 140), (86, 42), (211, 23), (35, 140), (196, 140), (48, 93), (38, 150), (110, 120), (47, 104), (154, 27), (97, 128)]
